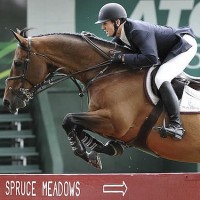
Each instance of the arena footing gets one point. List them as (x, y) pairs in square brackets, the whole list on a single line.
[(152, 186)]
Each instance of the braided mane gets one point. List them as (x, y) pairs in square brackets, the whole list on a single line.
[(92, 36)]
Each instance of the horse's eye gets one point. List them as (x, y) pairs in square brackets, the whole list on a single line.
[(18, 63)]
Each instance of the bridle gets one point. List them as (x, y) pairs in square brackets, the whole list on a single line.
[(56, 76), (24, 94)]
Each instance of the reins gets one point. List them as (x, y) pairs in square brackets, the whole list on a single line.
[(56, 77), (61, 77), (103, 53), (49, 79)]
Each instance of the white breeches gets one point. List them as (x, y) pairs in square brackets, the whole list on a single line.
[(176, 65)]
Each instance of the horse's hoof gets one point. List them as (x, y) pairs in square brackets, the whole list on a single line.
[(95, 160), (116, 146)]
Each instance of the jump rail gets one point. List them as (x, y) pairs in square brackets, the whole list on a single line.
[(181, 186)]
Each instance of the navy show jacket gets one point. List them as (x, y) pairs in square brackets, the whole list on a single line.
[(153, 44)]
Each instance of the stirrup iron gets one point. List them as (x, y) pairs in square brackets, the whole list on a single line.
[(161, 129), (164, 131)]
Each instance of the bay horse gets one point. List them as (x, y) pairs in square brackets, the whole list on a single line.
[(118, 107)]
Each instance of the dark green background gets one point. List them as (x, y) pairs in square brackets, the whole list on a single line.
[(12, 16)]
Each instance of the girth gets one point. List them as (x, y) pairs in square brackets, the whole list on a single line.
[(140, 141)]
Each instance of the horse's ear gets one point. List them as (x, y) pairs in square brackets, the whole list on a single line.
[(20, 38)]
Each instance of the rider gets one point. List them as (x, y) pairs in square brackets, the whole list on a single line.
[(168, 47)]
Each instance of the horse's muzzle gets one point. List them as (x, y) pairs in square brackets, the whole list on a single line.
[(14, 104)]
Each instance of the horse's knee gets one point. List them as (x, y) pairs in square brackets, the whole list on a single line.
[(70, 123), (67, 123)]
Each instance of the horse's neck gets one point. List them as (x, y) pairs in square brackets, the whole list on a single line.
[(71, 53)]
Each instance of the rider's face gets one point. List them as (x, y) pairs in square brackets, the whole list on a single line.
[(108, 27)]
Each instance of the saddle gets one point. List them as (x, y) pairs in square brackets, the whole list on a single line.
[(182, 85), (179, 84)]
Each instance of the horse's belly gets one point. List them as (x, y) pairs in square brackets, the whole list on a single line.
[(186, 150)]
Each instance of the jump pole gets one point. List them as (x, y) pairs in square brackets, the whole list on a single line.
[(180, 186)]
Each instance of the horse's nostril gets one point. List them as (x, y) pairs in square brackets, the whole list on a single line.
[(6, 102)]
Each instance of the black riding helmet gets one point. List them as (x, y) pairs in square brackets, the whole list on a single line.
[(112, 11)]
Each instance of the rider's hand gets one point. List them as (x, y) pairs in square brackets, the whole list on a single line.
[(117, 57)]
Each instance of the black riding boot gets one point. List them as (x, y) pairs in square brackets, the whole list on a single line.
[(171, 105)]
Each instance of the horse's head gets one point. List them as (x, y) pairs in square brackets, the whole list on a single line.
[(39, 60), (20, 84)]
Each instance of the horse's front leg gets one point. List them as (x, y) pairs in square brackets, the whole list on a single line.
[(80, 150), (111, 148), (75, 123)]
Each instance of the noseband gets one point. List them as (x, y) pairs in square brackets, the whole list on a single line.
[(56, 76)]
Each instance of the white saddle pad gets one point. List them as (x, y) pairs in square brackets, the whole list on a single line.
[(190, 101)]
